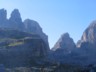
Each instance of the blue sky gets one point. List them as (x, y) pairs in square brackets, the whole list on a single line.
[(56, 16)]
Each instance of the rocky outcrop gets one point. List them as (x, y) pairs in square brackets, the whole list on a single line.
[(3, 18), (20, 48), (15, 21), (89, 35), (65, 44), (87, 44), (63, 50), (21, 43), (33, 27)]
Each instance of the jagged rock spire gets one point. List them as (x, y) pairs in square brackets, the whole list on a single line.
[(15, 21), (3, 17), (65, 42), (89, 35)]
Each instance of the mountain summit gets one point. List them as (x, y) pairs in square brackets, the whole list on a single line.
[(89, 35), (15, 21), (65, 43)]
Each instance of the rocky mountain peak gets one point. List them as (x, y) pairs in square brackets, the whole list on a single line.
[(15, 21), (65, 36), (89, 35), (3, 14), (15, 15), (93, 23), (3, 17), (65, 42)]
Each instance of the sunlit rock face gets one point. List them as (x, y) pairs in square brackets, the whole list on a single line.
[(87, 44), (15, 21), (65, 43), (3, 18), (32, 26), (89, 35)]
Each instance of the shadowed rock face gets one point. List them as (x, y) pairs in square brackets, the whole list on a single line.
[(15, 21), (3, 14), (20, 48), (3, 18), (63, 50), (21, 43), (32, 26), (65, 43)]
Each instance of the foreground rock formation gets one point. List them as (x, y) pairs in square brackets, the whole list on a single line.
[(15, 22), (20, 48), (22, 44)]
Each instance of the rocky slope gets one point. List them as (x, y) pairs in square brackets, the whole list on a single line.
[(64, 50), (21, 43), (20, 49), (33, 27)]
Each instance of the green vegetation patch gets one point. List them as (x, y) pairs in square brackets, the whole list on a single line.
[(16, 43)]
